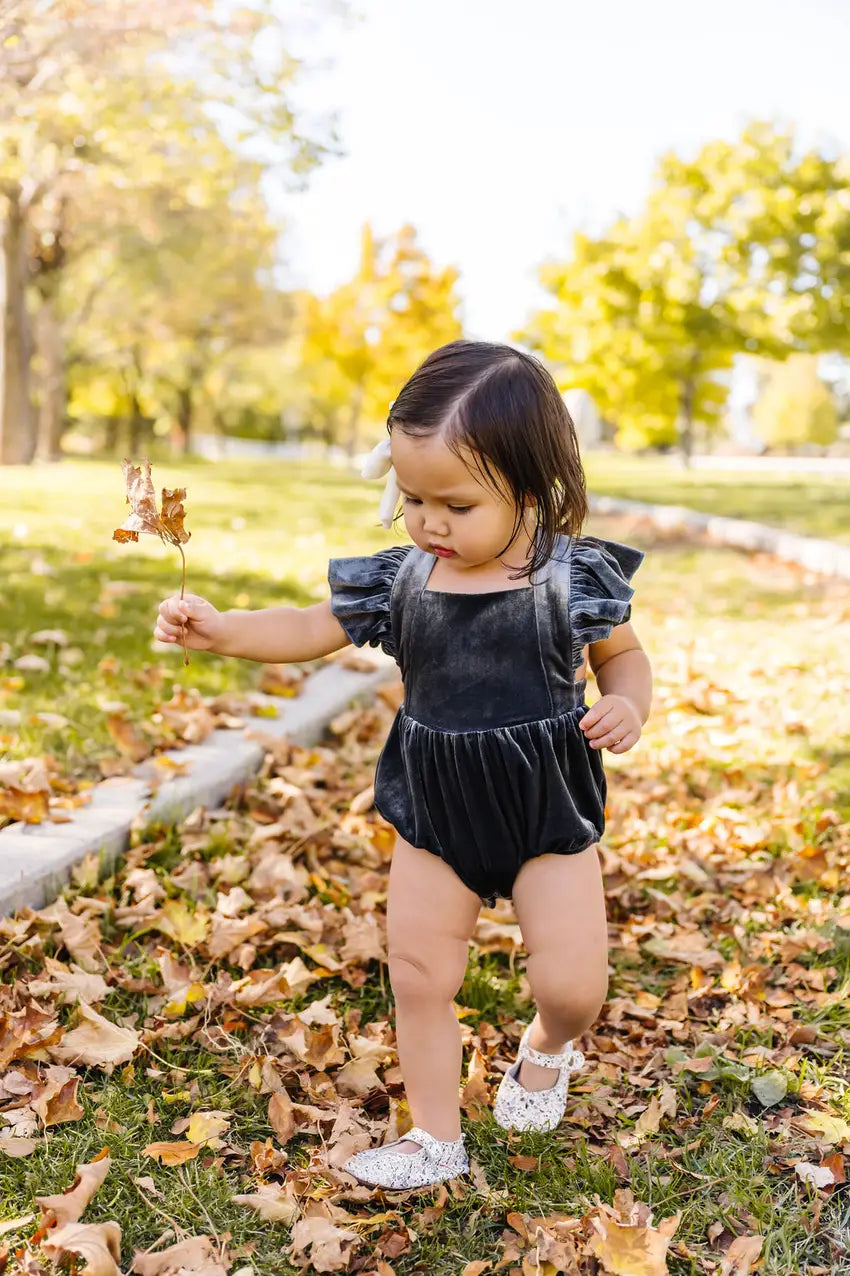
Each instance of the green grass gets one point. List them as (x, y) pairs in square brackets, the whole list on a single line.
[(811, 504), (262, 535)]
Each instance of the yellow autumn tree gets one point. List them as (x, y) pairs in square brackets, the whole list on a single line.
[(355, 347), (795, 406)]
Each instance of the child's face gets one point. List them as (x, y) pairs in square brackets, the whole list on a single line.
[(449, 505)]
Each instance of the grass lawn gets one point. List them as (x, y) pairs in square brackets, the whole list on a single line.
[(262, 534), (259, 538), (716, 1074), (810, 504)]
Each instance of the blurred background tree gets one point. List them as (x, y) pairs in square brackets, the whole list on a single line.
[(744, 250), (795, 407), (354, 348), (134, 138)]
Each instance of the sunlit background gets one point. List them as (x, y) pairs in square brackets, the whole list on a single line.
[(251, 221)]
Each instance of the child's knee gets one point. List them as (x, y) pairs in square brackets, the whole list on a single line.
[(566, 998), (414, 977)]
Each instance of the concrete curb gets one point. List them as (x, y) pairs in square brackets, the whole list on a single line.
[(36, 860), (826, 558)]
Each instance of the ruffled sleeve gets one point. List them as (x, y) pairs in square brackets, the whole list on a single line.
[(600, 595), (360, 596)]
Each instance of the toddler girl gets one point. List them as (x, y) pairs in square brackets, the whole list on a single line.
[(492, 773)]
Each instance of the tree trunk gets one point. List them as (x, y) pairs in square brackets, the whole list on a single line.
[(140, 427), (185, 413), (51, 349), (110, 434), (17, 418), (686, 421), (351, 445)]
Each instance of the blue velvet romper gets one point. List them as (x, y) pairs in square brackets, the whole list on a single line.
[(485, 764)]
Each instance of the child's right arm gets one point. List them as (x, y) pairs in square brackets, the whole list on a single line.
[(274, 635)]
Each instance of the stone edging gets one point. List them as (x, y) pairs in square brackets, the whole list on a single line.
[(36, 860), (827, 558)]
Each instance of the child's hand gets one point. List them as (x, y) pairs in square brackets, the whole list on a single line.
[(613, 724), (190, 619)]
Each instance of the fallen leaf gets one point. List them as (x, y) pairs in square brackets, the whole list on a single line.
[(56, 1102), (358, 1078), (281, 1116), (320, 1245), (55, 637), (68, 1206), (632, 1250), (206, 1128), (272, 1202), (194, 1256), (15, 1224), (475, 1099), (96, 1041), (177, 920), (69, 985), (98, 1243), (817, 1175), (80, 935), (29, 808), (832, 1128), (172, 1153), (740, 1256), (16, 1147), (128, 738), (769, 1087)]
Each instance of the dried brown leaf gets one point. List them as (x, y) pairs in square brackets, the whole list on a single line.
[(272, 1202), (194, 1256), (96, 1041), (68, 1206), (320, 1246), (98, 1243), (281, 1116)]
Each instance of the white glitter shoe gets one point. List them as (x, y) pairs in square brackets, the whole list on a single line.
[(519, 1109), (435, 1162)]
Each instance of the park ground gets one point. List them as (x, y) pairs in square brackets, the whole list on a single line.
[(239, 955)]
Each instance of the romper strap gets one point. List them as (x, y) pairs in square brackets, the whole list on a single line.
[(409, 582), (552, 610)]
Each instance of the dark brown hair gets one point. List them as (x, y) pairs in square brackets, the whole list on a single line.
[(504, 406)]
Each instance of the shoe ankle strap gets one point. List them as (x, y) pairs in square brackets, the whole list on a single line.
[(439, 1148), (568, 1058)]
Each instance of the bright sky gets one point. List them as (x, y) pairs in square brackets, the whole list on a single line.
[(498, 127)]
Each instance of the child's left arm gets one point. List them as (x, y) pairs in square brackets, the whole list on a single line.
[(624, 678)]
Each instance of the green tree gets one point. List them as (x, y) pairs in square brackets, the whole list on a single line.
[(795, 406), (742, 250)]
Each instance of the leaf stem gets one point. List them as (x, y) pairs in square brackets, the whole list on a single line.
[(182, 592)]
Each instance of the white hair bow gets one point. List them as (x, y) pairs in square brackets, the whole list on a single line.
[(377, 464)]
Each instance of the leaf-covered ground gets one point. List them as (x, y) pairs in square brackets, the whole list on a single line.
[(218, 1014)]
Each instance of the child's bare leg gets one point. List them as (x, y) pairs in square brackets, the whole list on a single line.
[(431, 915), (560, 906)]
